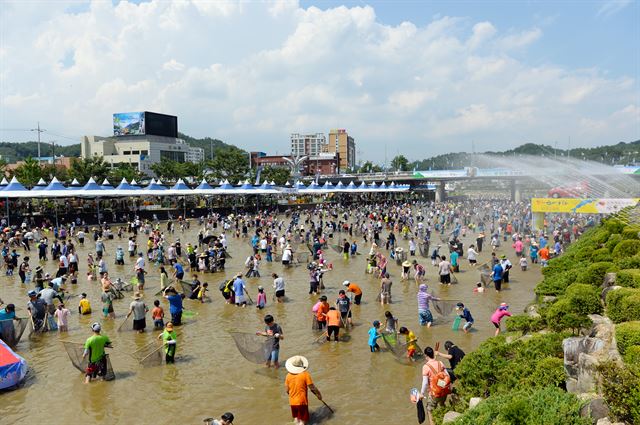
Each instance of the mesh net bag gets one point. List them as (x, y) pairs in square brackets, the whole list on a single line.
[(336, 248), (254, 348), (11, 331), (302, 257), (424, 249), (186, 288), (74, 351), (485, 274), (320, 415), (398, 348), (149, 355), (444, 307)]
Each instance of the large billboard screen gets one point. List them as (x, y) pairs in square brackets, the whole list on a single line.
[(129, 124), (161, 124)]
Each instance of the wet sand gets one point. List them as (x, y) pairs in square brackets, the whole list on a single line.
[(210, 376)]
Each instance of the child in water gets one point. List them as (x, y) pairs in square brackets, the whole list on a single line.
[(157, 314), (523, 263), (374, 334), (479, 288), (261, 300)]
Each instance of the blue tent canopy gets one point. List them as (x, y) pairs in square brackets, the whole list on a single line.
[(3, 183), (15, 190), (106, 185), (41, 185), (124, 186)]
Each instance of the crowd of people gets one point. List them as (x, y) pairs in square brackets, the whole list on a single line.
[(408, 234)]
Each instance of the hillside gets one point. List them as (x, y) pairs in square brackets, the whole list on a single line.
[(621, 153), (12, 152)]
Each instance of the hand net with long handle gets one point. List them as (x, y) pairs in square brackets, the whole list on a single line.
[(74, 351), (485, 274), (11, 331), (255, 348), (150, 355), (444, 307)]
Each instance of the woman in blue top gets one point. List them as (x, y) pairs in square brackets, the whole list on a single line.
[(175, 305)]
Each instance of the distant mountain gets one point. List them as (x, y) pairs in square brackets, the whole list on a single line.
[(620, 154), (16, 151), (12, 152)]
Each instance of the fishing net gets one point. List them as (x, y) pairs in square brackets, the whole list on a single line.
[(302, 257), (320, 415), (11, 331), (310, 247), (255, 348), (424, 249), (277, 257), (398, 348), (485, 274), (297, 239), (149, 355), (76, 349), (186, 288), (51, 324), (336, 248), (444, 307)]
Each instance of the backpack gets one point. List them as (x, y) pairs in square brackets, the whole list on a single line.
[(440, 383)]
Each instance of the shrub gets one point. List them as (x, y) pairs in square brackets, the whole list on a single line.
[(614, 240), (632, 357), (557, 284), (629, 278), (627, 335), (629, 263), (497, 367), (560, 264), (550, 370), (631, 232), (560, 317), (613, 225), (623, 305), (621, 389), (583, 299), (594, 274), (547, 405), (524, 323), (601, 254), (626, 249)]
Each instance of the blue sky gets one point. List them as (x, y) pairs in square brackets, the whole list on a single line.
[(419, 78)]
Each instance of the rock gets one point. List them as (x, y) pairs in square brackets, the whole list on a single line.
[(474, 402), (609, 280), (604, 421), (532, 311), (549, 299), (450, 417), (596, 409), (605, 291)]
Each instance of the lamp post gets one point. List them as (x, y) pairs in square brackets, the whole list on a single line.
[(39, 130)]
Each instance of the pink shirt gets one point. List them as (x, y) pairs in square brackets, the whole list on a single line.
[(497, 315), (315, 307), (62, 317), (518, 246)]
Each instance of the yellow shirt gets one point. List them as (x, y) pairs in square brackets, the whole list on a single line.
[(85, 306), (411, 341)]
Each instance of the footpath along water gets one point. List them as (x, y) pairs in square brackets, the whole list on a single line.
[(210, 376)]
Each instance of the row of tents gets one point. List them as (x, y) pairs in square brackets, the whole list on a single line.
[(55, 189)]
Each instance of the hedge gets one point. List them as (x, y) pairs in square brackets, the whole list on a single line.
[(621, 390), (547, 405), (613, 241), (631, 232), (601, 254), (560, 316), (594, 273), (583, 299), (627, 335), (623, 305), (613, 225), (626, 249), (524, 323), (629, 278), (556, 284), (632, 357), (629, 263)]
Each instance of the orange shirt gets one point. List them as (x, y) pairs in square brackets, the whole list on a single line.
[(296, 386), (322, 309), (354, 288), (333, 317), (157, 313), (544, 253)]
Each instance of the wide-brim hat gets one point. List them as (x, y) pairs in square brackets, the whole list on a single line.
[(297, 364), (137, 296), (406, 264)]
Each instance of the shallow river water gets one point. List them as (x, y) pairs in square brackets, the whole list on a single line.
[(210, 377)]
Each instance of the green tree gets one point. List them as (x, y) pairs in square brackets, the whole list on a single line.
[(400, 163), (369, 167), (124, 171), (166, 169), (85, 168), (279, 175), (231, 164), (29, 172)]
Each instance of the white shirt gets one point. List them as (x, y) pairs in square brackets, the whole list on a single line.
[(132, 246), (64, 261), (140, 263), (471, 254), (278, 284), (286, 255)]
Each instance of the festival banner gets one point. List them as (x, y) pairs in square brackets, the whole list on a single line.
[(581, 206)]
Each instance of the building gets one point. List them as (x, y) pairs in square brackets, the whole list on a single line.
[(323, 163), (141, 139), (307, 144), (345, 146), (60, 162)]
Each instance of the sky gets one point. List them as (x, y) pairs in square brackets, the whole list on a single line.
[(418, 78)]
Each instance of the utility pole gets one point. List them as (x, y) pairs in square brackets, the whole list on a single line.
[(39, 130)]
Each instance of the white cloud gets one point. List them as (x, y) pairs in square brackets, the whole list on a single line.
[(611, 7), (251, 73)]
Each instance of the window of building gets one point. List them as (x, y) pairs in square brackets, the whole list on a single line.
[(126, 152), (173, 156), (135, 152), (144, 152)]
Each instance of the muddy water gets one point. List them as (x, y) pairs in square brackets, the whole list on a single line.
[(210, 376)]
